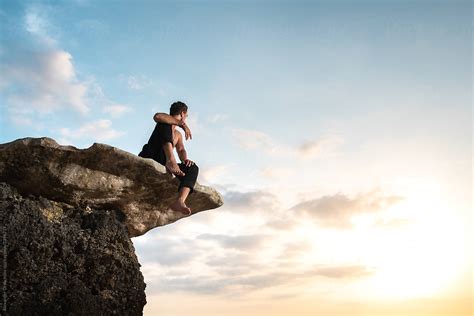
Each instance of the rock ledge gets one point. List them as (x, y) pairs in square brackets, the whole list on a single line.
[(99, 177)]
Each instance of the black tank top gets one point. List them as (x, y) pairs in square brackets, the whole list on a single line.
[(153, 149)]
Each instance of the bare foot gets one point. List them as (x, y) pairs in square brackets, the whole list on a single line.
[(179, 206), (172, 167)]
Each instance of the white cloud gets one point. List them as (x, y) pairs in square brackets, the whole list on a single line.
[(116, 110), (37, 74), (172, 252), (242, 242), (45, 82), (338, 210), (100, 130), (313, 148), (250, 201), (257, 140), (20, 120), (38, 78), (251, 139), (276, 172), (237, 254), (36, 23), (218, 117), (222, 274), (138, 82), (214, 173)]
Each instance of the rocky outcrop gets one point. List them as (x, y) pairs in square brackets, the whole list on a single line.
[(100, 176), (60, 259), (67, 216)]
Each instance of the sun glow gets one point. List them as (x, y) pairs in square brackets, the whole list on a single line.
[(415, 248), (420, 258)]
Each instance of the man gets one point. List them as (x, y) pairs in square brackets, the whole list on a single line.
[(160, 148)]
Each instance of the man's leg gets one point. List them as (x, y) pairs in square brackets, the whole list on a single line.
[(186, 187), (190, 176), (171, 164), (166, 158), (165, 141), (183, 193), (179, 205)]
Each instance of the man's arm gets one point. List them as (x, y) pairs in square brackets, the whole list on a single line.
[(182, 154), (168, 148), (168, 119)]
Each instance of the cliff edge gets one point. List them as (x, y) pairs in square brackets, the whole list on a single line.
[(66, 219), (100, 176)]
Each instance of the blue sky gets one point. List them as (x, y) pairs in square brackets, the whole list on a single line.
[(323, 119)]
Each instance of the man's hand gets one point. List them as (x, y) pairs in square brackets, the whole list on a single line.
[(187, 131), (188, 162)]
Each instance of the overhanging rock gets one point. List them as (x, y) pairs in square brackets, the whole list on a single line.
[(100, 176)]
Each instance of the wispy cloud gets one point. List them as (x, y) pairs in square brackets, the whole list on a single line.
[(167, 252), (338, 210), (262, 142), (37, 24), (252, 139), (276, 172), (250, 201), (286, 223), (37, 74), (218, 117), (116, 110), (342, 271), (238, 282), (39, 78), (243, 242), (264, 251), (20, 119), (326, 143), (295, 249), (137, 82), (393, 223), (212, 174), (100, 130)]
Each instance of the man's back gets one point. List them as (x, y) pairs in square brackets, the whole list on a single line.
[(153, 149)]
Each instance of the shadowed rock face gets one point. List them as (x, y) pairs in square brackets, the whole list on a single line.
[(60, 259), (100, 176)]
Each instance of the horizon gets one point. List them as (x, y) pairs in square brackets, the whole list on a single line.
[(339, 134)]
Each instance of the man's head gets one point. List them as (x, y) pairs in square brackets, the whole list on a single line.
[(179, 110)]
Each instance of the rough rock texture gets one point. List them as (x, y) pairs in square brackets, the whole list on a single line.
[(100, 176), (60, 259)]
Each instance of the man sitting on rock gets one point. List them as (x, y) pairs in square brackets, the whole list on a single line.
[(160, 148)]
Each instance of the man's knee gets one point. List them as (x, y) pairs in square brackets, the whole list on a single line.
[(192, 169)]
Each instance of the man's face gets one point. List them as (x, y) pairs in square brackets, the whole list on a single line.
[(184, 116)]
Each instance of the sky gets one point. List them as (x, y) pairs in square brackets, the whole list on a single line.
[(339, 134)]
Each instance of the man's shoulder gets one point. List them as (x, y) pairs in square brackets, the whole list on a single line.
[(177, 133)]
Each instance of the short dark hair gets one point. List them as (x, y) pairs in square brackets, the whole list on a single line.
[(178, 107)]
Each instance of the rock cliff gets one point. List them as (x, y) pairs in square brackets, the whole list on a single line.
[(60, 259), (67, 216)]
